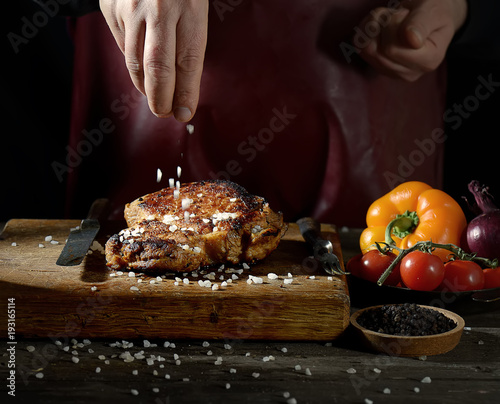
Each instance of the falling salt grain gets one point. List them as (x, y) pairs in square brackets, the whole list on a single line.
[(287, 281), (286, 394), (368, 401), (41, 245), (387, 390), (158, 175), (48, 238), (30, 348), (134, 392), (179, 171), (39, 375), (351, 371), (255, 374), (426, 379), (14, 244), (75, 359), (416, 390), (167, 376), (190, 128), (135, 288), (308, 372), (272, 275), (291, 401), (228, 386), (93, 288), (298, 367), (377, 370)]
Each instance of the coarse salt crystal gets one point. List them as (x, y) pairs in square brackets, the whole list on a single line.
[(39, 375), (190, 128), (48, 238), (41, 245), (228, 386), (14, 244), (287, 281), (308, 372), (351, 371), (131, 274), (135, 288), (98, 369), (179, 171), (255, 374), (215, 286), (426, 379), (54, 242), (158, 175), (93, 288), (298, 367), (134, 392), (387, 390), (75, 359), (246, 266), (272, 275), (416, 390), (377, 370)]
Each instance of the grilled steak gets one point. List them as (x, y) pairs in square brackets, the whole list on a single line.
[(199, 224)]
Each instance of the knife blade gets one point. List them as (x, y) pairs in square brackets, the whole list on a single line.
[(80, 239), (322, 248)]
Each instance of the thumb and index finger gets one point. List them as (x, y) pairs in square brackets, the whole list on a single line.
[(164, 46)]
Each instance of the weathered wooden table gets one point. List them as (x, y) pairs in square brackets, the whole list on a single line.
[(237, 371)]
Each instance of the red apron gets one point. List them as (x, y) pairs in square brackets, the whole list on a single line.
[(286, 110)]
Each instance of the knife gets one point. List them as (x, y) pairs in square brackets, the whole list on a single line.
[(322, 248), (80, 239)]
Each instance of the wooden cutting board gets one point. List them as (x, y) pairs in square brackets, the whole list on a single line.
[(91, 301)]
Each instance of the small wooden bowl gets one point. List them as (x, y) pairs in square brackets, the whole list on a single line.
[(397, 345)]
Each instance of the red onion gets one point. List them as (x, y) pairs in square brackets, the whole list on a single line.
[(483, 232)]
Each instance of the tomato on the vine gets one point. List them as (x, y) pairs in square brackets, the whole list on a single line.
[(491, 278), (371, 266), (422, 271), (461, 275)]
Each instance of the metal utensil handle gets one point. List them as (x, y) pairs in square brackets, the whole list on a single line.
[(310, 229)]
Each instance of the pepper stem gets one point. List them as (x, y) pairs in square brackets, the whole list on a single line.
[(401, 226)]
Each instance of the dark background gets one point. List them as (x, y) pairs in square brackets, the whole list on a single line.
[(36, 105)]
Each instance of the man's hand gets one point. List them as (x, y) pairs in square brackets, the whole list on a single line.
[(164, 45), (408, 41)]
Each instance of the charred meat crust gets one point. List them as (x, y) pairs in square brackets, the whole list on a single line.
[(201, 224)]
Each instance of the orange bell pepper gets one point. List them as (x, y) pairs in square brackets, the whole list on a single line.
[(412, 212)]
